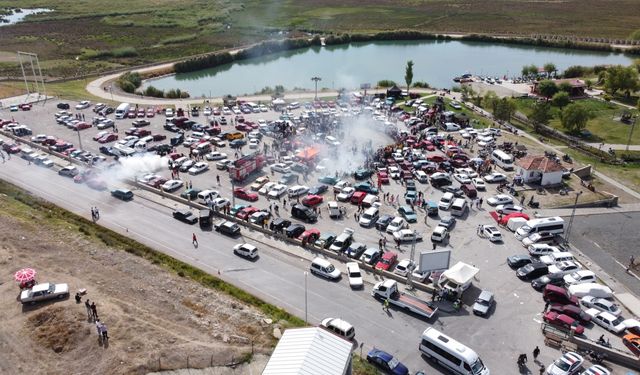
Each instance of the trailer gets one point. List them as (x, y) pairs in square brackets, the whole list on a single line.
[(388, 290), (240, 169)]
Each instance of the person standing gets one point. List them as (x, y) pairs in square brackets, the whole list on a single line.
[(194, 240), (94, 311), (632, 261), (87, 304), (536, 353)]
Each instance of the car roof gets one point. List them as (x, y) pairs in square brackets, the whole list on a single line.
[(41, 287)]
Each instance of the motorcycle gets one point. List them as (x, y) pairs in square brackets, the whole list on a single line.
[(566, 158)]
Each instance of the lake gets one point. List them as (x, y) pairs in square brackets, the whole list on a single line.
[(16, 17), (348, 66)]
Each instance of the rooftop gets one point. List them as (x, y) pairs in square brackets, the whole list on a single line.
[(539, 163)]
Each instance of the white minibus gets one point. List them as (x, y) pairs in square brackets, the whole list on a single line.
[(451, 354), (502, 160), (551, 225), (458, 207), (122, 110)]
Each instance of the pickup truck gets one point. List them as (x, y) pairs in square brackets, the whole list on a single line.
[(388, 290)]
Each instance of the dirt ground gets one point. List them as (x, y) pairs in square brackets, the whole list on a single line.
[(156, 320)]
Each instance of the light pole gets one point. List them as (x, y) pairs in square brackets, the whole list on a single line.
[(573, 213), (79, 139), (411, 266), (305, 296), (633, 125), (315, 80)]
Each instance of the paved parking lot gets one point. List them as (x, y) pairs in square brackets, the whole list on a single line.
[(511, 328)]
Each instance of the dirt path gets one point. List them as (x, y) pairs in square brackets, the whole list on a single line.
[(156, 320)]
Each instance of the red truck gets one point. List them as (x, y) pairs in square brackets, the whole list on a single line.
[(243, 167)]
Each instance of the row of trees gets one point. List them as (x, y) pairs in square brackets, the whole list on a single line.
[(532, 70), (170, 94), (573, 116)]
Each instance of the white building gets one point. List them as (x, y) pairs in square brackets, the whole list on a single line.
[(310, 351), (539, 170)]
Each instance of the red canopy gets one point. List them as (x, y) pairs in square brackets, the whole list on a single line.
[(25, 274)]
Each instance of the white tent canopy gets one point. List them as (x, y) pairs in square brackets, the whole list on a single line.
[(278, 101), (458, 278)]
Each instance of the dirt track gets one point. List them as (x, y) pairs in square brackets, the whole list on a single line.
[(156, 320)]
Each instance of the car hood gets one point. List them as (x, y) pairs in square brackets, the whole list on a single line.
[(481, 308)]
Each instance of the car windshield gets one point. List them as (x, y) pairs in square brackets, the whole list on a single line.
[(393, 363), (525, 228), (386, 261), (561, 364), (331, 268), (477, 366), (619, 320), (355, 274)]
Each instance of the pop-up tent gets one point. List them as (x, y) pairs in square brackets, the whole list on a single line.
[(458, 278)]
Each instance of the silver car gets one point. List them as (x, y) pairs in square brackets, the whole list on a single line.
[(483, 303), (43, 292)]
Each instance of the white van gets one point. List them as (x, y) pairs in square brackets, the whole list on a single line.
[(551, 225), (122, 110), (422, 177), (445, 201), (140, 146), (459, 207), (294, 105), (516, 222), (339, 327), (123, 150), (451, 354), (369, 217), (502, 160), (206, 194), (324, 268), (556, 257)]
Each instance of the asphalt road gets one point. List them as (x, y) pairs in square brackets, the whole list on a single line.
[(278, 277)]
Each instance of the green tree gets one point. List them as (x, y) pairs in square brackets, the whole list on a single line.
[(561, 99), (533, 70), (467, 92), (408, 74), (505, 109), (525, 71), (550, 68), (490, 101), (541, 114), (565, 86), (547, 88), (638, 105), (589, 83), (574, 117), (620, 78)]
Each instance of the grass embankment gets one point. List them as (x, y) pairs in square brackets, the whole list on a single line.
[(68, 90), (28, 208), (605, 126)]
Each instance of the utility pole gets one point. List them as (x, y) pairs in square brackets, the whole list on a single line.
[(315, 80), (411, 266), (633, 125), (573, 213), (305, 297), (79, 139)]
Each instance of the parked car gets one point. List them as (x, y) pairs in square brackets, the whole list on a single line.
[(580, 277), (387, 261), (44, 292), (532, 271), (601, 304), (517, 261), (386, 362), (563, 321), (590, 289), (506, 209), (246, 250), (492, 233), (241, 193), (499, 199), (354, 275), (568, 364), (447, 222), (397, 224), (606, 320), (370, 256), (483, 303), (571, 310), (185, 216), (495, 177)]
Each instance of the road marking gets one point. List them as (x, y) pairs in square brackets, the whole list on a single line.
[(595, 243)]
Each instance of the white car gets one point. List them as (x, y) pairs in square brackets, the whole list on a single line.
[(198, 167), (462, 178), (492, 233), (172, 185), (219, 203), (446, 201), (580, 277), (169, 112), (354, 275), (468, 171), (345, 194), (499, 199), (590, 289), (394, 173), (259, 182), (297, 190), (43, 292), (419, 276), (479, 183), (563, 268), (540, 249), (600, 304), (596, 370), (266, 188), (406, 235), (254, 144), (495, 177), (277, 191), (341, 185), (404, 267), (397, 224), (83, 104), (568, 364), (216, 155), (507, 209), (606, 320), (246, 250), (280, 167)]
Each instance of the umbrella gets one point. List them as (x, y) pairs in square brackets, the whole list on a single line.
[(25, 274)]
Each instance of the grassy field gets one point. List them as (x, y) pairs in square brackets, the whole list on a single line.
[(603, 126), (69, 90), (88, 36)]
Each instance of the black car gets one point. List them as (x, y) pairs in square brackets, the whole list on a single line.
[(229, 228), (279, 224), (106, 111), (299, 167), (63, 106), (303, 213), (542, 281), (362, 174), (325, 240), (107, 150), (318, 189), (355, 250), (439, 182), (294, 230), (161, 148), (170, 127), (517, 261), (410, 184), (123, 194), (177, 140), (140, 123), (237, 143), (453, 190), (185, 216), (532, 271), (383, 222)]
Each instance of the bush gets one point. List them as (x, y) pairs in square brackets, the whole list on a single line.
[(421, 85), (154, 92), (129, 82), (125, 52), (574, 71), (127, 86), (386, 83)]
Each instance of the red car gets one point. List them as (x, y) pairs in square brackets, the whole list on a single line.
[(156, 182), (312, 200), (108, 138), (562, 321), (11, 148), (132, 114), (358, 197), (505, 218), (246, 212), (571, 310), (436, 158), (383, 177), (25, 107), (81, 126), (243, 127), (141, 113), (159, 137), (309, 235), (138, 132), (243, 194), (387, 261), (150, 112)]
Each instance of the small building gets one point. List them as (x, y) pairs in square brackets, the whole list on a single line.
[(394, 92), (539, 169), (577, 89), (309, 351)]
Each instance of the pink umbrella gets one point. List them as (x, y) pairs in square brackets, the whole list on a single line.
[(25, 274)]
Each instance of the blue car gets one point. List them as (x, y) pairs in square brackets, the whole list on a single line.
[(386, 362), (408, 214), (366, 187), (329, 180), (318, 190)]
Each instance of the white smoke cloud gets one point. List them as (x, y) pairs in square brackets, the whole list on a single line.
[(133, 166)]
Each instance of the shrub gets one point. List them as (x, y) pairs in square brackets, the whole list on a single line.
[(421, 84), (125, 52), (154, 92), (386, 83)]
